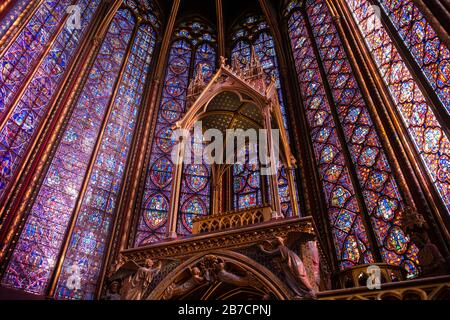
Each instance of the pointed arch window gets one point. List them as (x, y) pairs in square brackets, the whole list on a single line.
[(30, 78), (80, 189), (430, 141), (254, 32), (193, 49), (349, 154)]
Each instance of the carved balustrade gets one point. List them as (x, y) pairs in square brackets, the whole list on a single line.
[(231, 220)]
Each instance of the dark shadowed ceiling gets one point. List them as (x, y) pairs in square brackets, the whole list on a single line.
[(232, 9)]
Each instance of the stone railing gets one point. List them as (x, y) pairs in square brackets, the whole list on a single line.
[(232, 220), (436, 288)]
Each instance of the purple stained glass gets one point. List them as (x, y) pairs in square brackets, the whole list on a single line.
[(247, 182), (89, 239), (20, 58), (424, 129), (375, 175), (195, 189), (16, 9), (345, 216), (258, 35), (159, 179), (242, 51), (37, 250), (205, 55), (33, 105), (430, 53), (265, 48), (293, 5), (194, 195)]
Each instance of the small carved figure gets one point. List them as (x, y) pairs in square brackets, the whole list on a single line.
[(136, 284), (223, 61), (293, 269), (175, 290), (430, 258), (313, 250), (236, 65), (431, 261), (209, 270), (227, 277), (113, 291)]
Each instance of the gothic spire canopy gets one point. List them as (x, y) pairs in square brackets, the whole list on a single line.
[(340, 188)]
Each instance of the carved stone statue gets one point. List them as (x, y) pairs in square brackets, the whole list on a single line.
[(113, 292), (431, 261), (225, 276), (176, 290), (209, 270), (430, 258), (293, 269), (223, 61), (136, 284), (311, 258)]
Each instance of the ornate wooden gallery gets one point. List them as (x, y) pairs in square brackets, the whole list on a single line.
[(93, 204)]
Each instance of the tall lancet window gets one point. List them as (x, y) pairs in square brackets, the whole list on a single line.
[(430, 53), (32, 69), (254, 32), (70, 221), (349, 153), (193, 49), (430, 140), (14, 9)]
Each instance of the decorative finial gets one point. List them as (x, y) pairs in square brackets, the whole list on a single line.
[(412, 219), (235, 64), (223, 61)]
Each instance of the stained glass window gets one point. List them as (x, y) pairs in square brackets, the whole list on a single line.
[(193, 45), (247, 183), (21, 56), (16, 8), (345, 216), (429, 139), (382, 198), (205, 56), (242, 51), (89, 239), (430, 53), (90, 152), (380, 190), (195, 195), (254, 31), (145, 9), (295, 4), (21, 119)]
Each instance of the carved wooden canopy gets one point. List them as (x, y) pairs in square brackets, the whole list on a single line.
[(237, 98)]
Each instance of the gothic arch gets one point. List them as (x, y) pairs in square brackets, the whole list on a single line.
[(270, 283)]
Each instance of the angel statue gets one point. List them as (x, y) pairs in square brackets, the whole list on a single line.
[(113, 292), (136, 278), (293, 269), (177, 290), (225, 276)]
